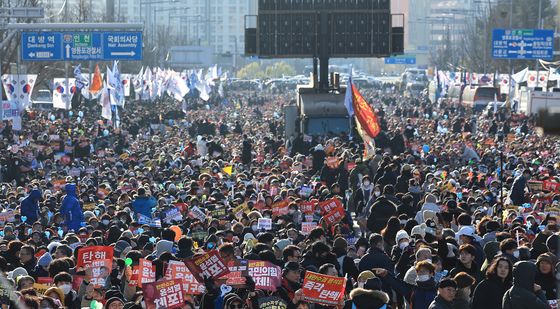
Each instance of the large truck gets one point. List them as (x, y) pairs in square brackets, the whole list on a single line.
[(317, 113), (531, 101)]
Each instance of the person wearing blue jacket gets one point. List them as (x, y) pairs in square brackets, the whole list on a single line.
[(143, 204), (71, 209), (30, 206)]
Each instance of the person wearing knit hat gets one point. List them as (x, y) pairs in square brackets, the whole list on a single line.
[(447, 289), (368, 299), (233, 301), (491, 249), (464, 284), (41, 270), (114, 303)]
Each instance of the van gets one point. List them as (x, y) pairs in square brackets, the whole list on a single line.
[(43, 101), (478, 97)]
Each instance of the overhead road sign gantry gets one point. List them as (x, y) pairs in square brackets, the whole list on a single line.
[(529, 44)]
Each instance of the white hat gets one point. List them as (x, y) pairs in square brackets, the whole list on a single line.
[(419, 230), (467, 231), (402, 234), (20, 271)]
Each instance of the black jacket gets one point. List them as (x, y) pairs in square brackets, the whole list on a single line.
[(521, 295), (489, 293), (381, 210)]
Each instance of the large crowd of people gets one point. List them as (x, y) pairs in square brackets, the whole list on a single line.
[(455, 209)]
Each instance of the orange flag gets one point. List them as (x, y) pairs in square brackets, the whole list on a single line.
[(97, 83), (365, 114)]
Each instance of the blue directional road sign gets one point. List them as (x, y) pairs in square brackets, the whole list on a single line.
[(96, 45), (38, 46), (406, 59), (523, 43)]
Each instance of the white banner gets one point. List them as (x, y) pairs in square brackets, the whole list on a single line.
[(62, 93), (125, 79)]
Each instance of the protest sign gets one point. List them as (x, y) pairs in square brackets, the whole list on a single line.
[(7, 216), (280, 208), (305, 191), (264, 224), (146, 272), (323, 289), (153, 222), (218, 213), (171, 215), (239, 210), (307, 227), (99, 259), (179, 271), (209, 264), (163, 294), (334, 216), (272, 302), (266, 275), (197, 213), (237, 273), (307, 207), (330, 204), (551, 186)]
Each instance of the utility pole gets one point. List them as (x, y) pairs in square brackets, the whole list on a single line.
[(67, 87), (539, 26)]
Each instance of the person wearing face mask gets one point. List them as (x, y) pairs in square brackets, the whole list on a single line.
[(63, 281), (419, 295), (509, 250), (381, 210), (294, 214)]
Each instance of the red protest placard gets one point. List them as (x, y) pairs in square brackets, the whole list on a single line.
[(307, 227), (210, 264), (323, 289), (237, 273), (163, 294), (307, 207), (334, 216), (146, 272), (551, 186), (330, 204), (179, 271), (266, 275), (280, 208), (99, 259)]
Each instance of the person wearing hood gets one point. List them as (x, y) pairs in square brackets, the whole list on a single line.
[(419, 295), (30, 206), (430, 203), (489, 293), (71, 209), (525, 293), (381, 210), (546, 275)]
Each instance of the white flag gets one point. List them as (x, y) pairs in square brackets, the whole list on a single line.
[(62, 93), (521, 76), (105, 103), (18, 89)]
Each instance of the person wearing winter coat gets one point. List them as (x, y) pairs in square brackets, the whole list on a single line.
[(143, 204), (381, 210), (517, 193), (546, 275), (30, 206), (419, 296), (447, 289), (71, 209), (489, 293), (524, 294)]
